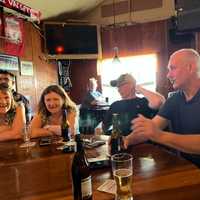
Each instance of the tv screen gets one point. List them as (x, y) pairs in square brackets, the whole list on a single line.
[(188, 14), (71, 39)]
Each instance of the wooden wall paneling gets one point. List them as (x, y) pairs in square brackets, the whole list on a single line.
[(120, 8), (107, 42), (81, 71), (127, 39), (123, 7), (153, 36), (133, 40), (28, 48), (139, 5), (26, 84), (45, 73)]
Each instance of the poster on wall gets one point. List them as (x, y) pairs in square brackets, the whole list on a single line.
[(26, 68), (8, 62), (14, 33)]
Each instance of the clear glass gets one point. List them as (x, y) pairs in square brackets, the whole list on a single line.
[(122, 168), (26, 136)]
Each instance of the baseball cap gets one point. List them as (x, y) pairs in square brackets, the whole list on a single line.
[(124, 78)]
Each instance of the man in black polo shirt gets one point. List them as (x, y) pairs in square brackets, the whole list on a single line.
[(9, 78), (182, 110)]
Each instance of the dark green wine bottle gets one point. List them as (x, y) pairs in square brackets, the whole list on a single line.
[(116, 137), (65, 128)]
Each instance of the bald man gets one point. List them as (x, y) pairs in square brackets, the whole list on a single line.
[(182, 109)]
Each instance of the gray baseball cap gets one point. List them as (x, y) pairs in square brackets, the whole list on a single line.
[(124, 78)]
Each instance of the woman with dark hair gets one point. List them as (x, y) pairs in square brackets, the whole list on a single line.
[(12, 115), (54, 107)]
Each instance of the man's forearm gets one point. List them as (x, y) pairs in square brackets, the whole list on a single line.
[(133, 139), (155, 99), (186, 143)]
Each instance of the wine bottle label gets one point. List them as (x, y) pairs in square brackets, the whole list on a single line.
[(86, 187)]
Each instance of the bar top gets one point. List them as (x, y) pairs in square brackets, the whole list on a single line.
[(45, 173)]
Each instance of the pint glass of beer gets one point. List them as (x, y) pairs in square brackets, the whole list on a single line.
[(122, 172)]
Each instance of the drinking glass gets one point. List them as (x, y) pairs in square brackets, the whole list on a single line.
[(122, 172), (26, 135)]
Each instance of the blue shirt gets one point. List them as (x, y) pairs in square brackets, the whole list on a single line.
[(90, 97), (184, 117)]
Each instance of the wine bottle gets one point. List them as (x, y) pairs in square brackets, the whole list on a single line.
[(65, 127), (82, 181), (116, 137)]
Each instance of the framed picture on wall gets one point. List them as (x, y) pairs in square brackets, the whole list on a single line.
[(26, 68), (9, 62)]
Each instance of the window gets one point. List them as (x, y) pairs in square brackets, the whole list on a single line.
[(142, 67)]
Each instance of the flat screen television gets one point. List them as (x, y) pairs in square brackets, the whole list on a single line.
[(188, 15), (72, 41)]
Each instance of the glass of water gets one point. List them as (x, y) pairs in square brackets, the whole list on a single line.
[(123, 172)]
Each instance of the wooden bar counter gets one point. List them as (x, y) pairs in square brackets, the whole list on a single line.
[(44, 173)]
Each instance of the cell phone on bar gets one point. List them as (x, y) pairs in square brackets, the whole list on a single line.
[(44, 141), (96, 163), (94, 144)]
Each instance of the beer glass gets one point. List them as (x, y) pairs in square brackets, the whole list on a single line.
[(122, 172)]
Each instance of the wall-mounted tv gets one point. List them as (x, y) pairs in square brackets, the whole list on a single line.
[(72, 41)]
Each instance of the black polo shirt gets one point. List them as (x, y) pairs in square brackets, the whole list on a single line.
[(184, 117)]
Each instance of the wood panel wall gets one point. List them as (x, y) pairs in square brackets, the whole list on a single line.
[(81, 71), (45, 73), (139, 39)]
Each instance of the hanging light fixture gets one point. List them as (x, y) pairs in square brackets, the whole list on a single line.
[(116, 59)]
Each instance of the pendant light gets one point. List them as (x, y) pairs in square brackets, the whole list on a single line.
[(116, 59)]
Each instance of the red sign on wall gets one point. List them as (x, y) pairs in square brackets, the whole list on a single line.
[(21, 8), (14, 33)]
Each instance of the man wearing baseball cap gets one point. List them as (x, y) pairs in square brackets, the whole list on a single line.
[(131, 105)]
